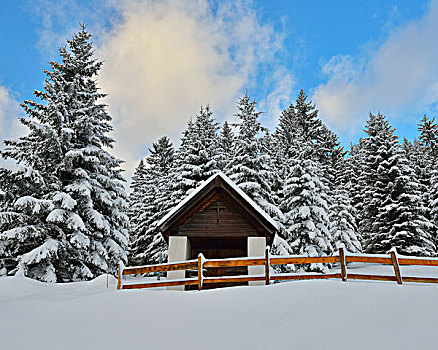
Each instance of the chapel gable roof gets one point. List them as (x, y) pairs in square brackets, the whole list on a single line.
[(217, 183)]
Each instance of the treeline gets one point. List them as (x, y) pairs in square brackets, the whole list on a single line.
[(65, 215), (378, 195)]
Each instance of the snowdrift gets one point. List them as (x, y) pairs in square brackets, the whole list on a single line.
[(300, 315)]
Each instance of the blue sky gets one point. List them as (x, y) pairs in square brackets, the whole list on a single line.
[(164, 59)]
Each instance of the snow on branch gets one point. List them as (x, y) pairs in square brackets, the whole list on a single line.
[(43, 252)]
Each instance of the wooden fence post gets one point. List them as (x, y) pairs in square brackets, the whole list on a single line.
[(200, 272), (396, 266), (119, 276), (267, 264), (343, 265)]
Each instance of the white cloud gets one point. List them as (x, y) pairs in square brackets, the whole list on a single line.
[(9, 110), (279, 98), (10, 127), (164, 59), (57, 21), (400, 78)]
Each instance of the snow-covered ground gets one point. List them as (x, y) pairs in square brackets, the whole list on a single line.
[(326, 314)]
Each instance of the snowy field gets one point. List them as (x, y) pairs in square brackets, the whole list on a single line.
[(325, 314)]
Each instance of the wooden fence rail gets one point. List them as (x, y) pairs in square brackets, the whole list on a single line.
[(199, 265)]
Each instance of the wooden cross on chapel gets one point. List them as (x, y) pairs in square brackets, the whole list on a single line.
[(218, 208)]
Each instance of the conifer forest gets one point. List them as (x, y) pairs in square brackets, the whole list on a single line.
[(65, 212)]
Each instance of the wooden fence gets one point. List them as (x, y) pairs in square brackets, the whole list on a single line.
[(342, 258)]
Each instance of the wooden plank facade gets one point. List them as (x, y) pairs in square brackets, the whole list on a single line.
[(217, 220)]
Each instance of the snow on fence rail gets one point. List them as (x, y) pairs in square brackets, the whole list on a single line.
[(201, 264)]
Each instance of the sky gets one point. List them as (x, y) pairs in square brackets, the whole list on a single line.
[(164, 59)]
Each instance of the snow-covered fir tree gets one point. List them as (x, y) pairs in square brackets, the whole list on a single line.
[(286, 135), (306, 212), (330, 155), (421, 161), (342, 214), (285, 145), (136, 198), (343, 229), (144, 198), (425, 160), (162, 155), (352, 179), (299, 126), (225, 146), (367, 163), (150, 195), (300, 135), (250, 169), (393, 214), (423, 157), (266, 142), (307, 125), (433, 207), (21, 183), (268, 147), (71, 201), (428, 137), (197, 157)]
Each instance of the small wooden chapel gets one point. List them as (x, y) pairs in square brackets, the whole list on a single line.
[(220, 221)]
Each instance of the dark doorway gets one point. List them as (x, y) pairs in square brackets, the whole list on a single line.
[(221, 248)]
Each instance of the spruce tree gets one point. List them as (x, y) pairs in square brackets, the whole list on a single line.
[(225, 147), (149, 194), (305, 212), (343, 229), (298, 127), (162, 155), (197, 157), (72, 204), (296, 138), (141, 239), (308, 125), (393, 216), (423, 157), (285, 145), (353, 179), (300, 130), (422, 162), (433, 207), (330, 155), (250, 168), (268, 147), (429, 136), (342, 214), (136, 198), (286, 135), (301, 135)]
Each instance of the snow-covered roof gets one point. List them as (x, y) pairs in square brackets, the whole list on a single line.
[(230, 182)]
